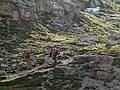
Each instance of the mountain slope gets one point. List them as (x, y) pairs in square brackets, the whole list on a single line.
[(90, 44)]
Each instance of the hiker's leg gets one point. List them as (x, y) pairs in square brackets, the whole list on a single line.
[(29, 65), (54, 58), (50, 54)]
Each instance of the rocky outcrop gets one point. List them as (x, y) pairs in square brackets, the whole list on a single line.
[(18, 9), (16, 21), (114, 37), (98, 67), (28, 10), (113, 40)]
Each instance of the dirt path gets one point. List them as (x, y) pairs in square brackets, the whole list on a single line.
[(47, 66)]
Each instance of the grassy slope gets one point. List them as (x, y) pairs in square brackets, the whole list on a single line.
[(95, 26)]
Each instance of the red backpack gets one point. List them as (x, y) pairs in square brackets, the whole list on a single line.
[(55, 51), (26, 53)]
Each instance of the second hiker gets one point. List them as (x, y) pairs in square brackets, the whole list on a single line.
[(55, 51)]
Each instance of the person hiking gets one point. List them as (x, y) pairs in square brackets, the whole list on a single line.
[(55, 51), (26, 55)]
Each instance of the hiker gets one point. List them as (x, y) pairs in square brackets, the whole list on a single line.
[(26, 55), (55, 52)]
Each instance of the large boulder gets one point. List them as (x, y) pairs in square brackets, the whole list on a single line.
[(111, 43), (114, 37), (118, 25), (117, 1), (88, 58), (89, 39), (96, 66), (84, 58)]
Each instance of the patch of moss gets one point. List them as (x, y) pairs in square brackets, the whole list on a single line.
[(34, 35), (41, 60), (39, 50), (18, 50), (112, 50), (66, 46), (103, 39), (58, 38), (5, 88), (43, 44), (29, 41), (101, 49)]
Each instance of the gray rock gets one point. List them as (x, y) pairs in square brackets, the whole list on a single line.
[(97, 2), (89, 39), (3, 65), (114, 37), (95, 58), (117, 1), (90, 83), (30, 78), (118, 25), (111, 43)]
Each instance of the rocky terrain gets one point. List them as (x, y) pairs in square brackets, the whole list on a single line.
[(90, 44)]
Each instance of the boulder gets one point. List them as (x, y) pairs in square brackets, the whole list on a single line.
[(80, 59), (117, 1), (89, 39), (95, 66), (92, 84), (2, 65), (111, 43), (118, 25), (114, 37), (97, 2)]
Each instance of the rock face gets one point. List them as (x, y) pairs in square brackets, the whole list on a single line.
[(99, 66), (18, 9), (113, 40), (16, 18), (29, 9), (89, 39)]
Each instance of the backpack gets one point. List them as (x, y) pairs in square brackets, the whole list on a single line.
[(26, 53), (55, 51)]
